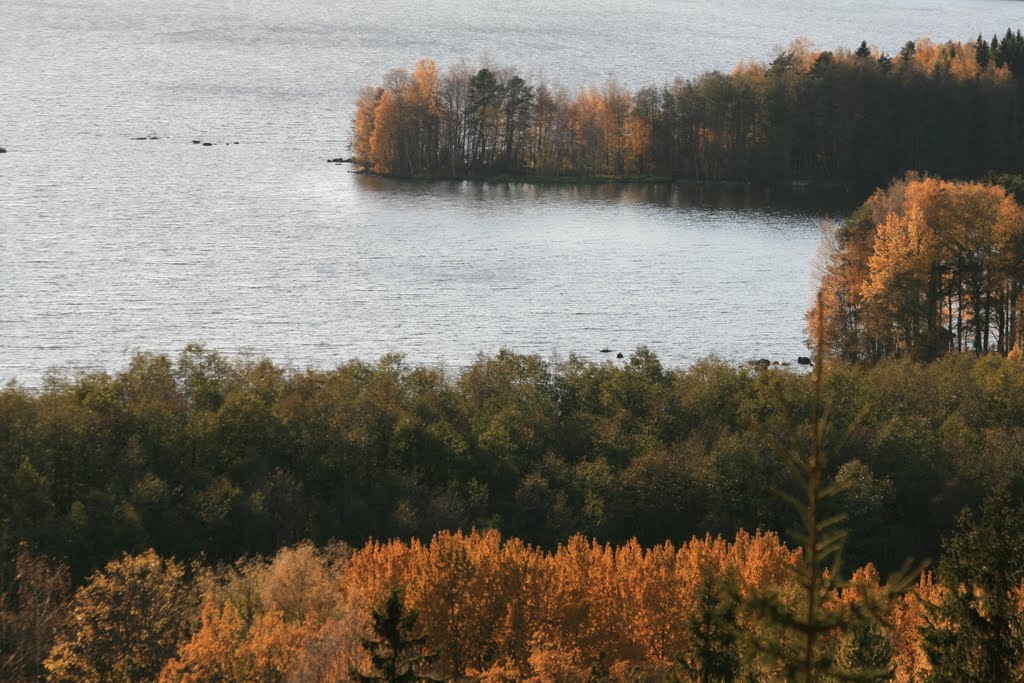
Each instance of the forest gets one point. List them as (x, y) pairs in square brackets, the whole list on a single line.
[(219, 462), (850, 119), (219, 458), (481, 607)]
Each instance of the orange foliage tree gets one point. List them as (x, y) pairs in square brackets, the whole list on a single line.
[(125, 622), (924, 268)]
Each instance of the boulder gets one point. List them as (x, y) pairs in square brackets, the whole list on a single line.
[(207, 144), (606, 350), (3, 151), (196, 142), (619, 355), (804, 360)]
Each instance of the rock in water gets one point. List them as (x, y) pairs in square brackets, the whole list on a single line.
[(804, 360), (207, 144)]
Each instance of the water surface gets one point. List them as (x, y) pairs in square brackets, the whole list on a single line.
[(109, 245)]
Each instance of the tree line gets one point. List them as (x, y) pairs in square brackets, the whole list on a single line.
[(924, 268), (852, 119), (480, 607), (205, 455)]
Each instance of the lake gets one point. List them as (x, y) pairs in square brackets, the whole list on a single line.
[(110, 245)]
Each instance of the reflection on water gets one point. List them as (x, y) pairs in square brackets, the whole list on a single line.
[(733, 196)]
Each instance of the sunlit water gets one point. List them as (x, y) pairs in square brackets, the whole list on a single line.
[(109, 245)]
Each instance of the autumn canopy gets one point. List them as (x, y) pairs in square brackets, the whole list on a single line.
[(924, 268)]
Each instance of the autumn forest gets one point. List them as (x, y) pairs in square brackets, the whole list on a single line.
[(851, 119), (201, 516)]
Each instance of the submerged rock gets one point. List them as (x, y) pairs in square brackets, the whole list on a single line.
[(3, 151), (606, 350), (207, 144), (196, 142)]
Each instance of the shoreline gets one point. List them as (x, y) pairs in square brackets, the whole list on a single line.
[(798, 185), (617, 356), (818, 196)]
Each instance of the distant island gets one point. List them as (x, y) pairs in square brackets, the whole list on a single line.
[(846, 119)]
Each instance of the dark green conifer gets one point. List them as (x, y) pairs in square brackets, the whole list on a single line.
[(867, 647), (716, 651), (397, 654), (981, 52), (976, 633)]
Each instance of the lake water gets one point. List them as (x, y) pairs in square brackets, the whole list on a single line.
[(109, 245)]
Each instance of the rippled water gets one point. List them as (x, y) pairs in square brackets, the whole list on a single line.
[(109, 245)]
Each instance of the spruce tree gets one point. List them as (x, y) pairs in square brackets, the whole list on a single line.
[(867, 647), (716, 655), (981, 52), (976, 632), (397, 654)]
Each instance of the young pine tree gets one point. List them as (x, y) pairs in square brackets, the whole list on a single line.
[(396, 653), (800, 650)]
